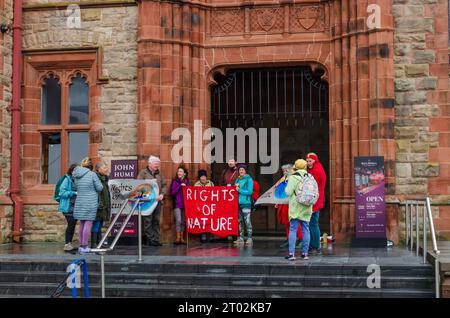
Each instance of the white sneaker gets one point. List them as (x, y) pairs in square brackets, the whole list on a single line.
[(84, 250), (68, 247), (249, 242)]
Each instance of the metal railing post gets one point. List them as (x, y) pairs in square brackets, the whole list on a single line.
[(411, 229), (433, 233), (102, 267), (417, 229), (140, 233), (406, 225), (425, 247), (437, 276), (435, 249)]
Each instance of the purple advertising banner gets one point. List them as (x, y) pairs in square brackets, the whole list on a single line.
[(125, 169), (369, 197)]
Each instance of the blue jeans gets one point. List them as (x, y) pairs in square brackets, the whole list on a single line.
[(293, 236), (315, 230)]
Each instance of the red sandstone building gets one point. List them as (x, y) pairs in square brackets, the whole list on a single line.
[(113, 79)]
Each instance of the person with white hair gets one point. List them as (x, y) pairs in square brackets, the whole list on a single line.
[(152, 222)]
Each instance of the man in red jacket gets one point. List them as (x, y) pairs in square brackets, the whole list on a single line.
[(316, 169)]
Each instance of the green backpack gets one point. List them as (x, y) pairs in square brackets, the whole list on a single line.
[(57, 186)]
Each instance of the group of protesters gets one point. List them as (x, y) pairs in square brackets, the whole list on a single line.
[(84, 196)]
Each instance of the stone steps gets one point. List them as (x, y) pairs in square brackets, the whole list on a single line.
[(222, 280), (268, 278), (138, 290)]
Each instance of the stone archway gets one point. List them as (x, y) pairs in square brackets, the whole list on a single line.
[(293, 100)]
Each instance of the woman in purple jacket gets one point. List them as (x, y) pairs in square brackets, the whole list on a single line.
[(176, 190)]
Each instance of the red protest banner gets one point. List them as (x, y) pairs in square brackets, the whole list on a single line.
[(211, 209)]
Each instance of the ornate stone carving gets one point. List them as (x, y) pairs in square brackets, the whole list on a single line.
[(307, 18), (303, 18), (267, 19), (227, 22)]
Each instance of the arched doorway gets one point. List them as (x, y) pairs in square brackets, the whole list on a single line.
[(292, 99)]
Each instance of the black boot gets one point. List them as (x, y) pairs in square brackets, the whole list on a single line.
[(99, 237), (93, 240)]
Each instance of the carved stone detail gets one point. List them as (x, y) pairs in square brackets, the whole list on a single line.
[(303, 18), (267, 19), (307, 18), (224, 22)]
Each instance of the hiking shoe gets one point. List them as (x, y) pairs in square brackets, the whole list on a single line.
[(285, 244), (68, 247), (305, 257), (249, 242), (239, 241), (290, 257)]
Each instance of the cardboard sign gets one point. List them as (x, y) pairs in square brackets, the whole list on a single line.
[(211, 209)]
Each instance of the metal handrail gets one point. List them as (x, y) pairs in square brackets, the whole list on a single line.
[(102, 251), (411, 205)]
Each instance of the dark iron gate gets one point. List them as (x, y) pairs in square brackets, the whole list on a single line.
[(258, 97)]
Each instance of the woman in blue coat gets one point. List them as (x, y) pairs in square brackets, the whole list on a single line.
[(88, 187), (67, 196)]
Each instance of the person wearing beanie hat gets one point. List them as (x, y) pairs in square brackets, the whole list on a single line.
[(203, 180), (300, 164), (243, 166), (299, 214), (315, 168), (244, 186)]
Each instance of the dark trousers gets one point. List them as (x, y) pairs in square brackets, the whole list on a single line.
[(70, 229), (152, 225), (315, 230)]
